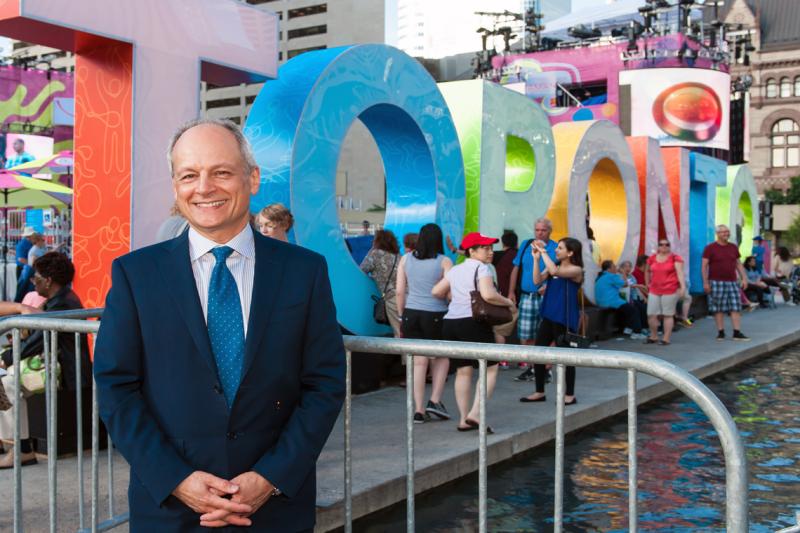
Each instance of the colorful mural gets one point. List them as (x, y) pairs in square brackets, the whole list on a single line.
[(29, 96)]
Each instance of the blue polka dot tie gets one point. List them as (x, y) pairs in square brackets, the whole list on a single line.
[(225, 325)]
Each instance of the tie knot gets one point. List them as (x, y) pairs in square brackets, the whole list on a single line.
[(221, 253)]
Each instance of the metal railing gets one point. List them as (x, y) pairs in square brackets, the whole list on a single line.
[(52, 324), (74, 322), (736, 502)]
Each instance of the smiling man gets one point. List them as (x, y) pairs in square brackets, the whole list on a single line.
[(219, 361)]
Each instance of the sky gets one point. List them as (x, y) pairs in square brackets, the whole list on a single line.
[(581, 4)]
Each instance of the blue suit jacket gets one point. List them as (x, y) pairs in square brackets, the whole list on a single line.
[(162, 402)]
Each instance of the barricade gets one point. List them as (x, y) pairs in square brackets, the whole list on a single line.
[(75, 322), (53, 324), (736, 507)]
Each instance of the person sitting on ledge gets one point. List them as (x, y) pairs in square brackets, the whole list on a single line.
[(756, 286), (607, 294), (54, 274)]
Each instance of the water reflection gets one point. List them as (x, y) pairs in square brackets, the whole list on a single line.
[(681, 473)]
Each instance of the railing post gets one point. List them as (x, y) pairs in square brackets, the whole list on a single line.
[(348, 459), (17, 429), (51, 387), (110, 458), (558, 507), (95, 453), (79, 423), (483, 480), (633, 513), (410, 409)]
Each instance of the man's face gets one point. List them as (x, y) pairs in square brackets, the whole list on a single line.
[(541, 232), (211, 183), (19, 146), (723, 234)]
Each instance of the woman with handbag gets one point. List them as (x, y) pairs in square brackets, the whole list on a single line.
[(422, 315), (381, 265), (465, 283), (54, 274), (559, 311)]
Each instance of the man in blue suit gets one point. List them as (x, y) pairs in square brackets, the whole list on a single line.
[(219, 361)]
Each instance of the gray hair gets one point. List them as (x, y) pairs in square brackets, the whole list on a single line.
[(721, 227), (244, 145), (544, 220)]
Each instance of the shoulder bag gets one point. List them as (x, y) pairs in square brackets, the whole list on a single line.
[(520, 273), (33, 375), (5, 403), (484, 312), (379, 308), (574, 339)]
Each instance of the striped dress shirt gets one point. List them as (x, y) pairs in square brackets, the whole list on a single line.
[(241, 263)]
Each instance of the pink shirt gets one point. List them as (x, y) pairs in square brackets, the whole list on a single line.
[(34, 299), (663, 276)]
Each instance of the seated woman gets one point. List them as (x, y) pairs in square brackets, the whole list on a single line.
[(756, 286), (607, 294), (782, 270), (54, 274)]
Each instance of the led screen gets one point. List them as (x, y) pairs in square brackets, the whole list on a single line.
[(680, 106)]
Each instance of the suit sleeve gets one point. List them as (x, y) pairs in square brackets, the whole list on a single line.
[(118, 371), (322, 382)]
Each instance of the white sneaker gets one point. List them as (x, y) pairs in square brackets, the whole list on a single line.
[(638, 336), (627, 331), (791, 303)]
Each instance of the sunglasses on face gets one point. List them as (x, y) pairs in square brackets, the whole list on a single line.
[(663, 244)]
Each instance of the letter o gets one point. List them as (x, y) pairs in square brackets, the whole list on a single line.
[(297, 125)]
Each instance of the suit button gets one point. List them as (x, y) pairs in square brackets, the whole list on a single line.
[(217, 389), (277, 405), (231, 435)]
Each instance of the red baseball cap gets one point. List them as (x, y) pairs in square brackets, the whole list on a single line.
[(476, 239)]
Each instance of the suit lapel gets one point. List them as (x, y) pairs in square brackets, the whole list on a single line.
[(266, 282), (182, 287)]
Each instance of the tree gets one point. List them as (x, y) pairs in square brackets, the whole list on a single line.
[(792, 196), (792, 235)]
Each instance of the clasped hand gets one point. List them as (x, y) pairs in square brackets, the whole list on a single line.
[(221, 502)]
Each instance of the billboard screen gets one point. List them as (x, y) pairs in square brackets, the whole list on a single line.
[(36, 145), (680, 106)]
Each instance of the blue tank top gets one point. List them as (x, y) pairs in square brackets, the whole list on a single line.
[(422, 275), (560, 302)]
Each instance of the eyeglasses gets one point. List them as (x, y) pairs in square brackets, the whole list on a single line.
[(664, 244)]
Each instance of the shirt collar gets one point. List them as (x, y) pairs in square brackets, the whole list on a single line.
[(243, 244)]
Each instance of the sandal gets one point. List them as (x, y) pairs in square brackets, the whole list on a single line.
[(650, 341), (664, 343), (474, 425)]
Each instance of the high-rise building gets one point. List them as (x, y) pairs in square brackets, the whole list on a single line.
[(435, 29), (552, 9)]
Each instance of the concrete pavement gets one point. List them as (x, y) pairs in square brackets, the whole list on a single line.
[(442, 453)]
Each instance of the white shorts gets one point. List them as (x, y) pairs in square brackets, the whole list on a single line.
[(662, 304)]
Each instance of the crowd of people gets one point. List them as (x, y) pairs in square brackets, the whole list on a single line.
[(540, 280)]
